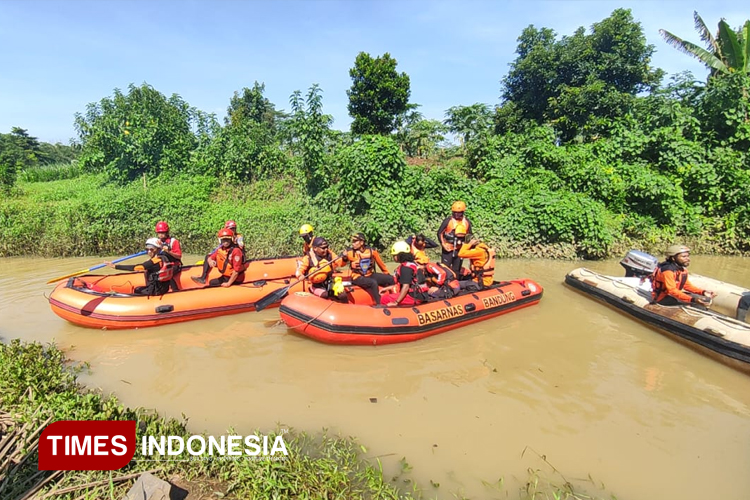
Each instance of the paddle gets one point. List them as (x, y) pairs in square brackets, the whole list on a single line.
[(279, 294), (99, 266)]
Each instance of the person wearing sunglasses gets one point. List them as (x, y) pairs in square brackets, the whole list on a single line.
[(318, 266), (362, 261)]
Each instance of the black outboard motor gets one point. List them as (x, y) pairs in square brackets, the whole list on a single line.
[(639, 264)]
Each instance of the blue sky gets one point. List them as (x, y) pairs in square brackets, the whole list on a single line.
[(57, 56)]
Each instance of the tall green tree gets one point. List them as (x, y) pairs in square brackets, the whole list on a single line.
[(726, 52), (139, 133), (379, 95), (18, 150), (580, 82), (251, 105), (468, 121), (419, 138), (310, 130)]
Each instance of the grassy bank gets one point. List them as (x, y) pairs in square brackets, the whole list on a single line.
[(87, 216)]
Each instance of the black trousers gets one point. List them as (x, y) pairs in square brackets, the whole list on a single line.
[(153, 288), (223, 279), (454, 262), (671, 301), (372, 282)]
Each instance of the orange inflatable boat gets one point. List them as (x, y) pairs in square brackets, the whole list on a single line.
[(106, 301), (359, 322)]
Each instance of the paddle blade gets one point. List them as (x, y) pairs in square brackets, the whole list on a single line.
[(272, 298), (55, 280)]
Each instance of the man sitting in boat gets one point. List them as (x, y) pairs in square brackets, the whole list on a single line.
[(481, 259), (318, 266), (441, 280), (158, 269), (239, 241), (410, 288), (419, 243), (170, 247), (670, 284), (228, 259), (362, 260)]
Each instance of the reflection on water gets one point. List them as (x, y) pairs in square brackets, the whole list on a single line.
[(572, 379)]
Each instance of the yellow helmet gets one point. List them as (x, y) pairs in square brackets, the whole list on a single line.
[(458, 206), (305, 229), (400, 247), (676, 249)]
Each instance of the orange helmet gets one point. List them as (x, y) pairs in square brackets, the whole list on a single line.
[(458, 206), (161, 227), (225, 233)]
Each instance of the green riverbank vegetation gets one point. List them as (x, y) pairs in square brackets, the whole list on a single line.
[(588, 154)]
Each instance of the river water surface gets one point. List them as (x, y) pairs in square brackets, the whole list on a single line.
[(593, 391)]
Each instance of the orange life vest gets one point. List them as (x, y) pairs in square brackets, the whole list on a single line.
[(362, 261), (658, 282), (487, 270), (420, 256), (449, 234), (223, 261), (417, 287), (165, 272), (325, 270)]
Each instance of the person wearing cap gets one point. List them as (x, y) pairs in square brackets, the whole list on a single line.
[(419, 244), (481, 259), (447, 235), (362, 260), (318, 266), (228, 259), (670, 285), (159, 270), (307, 235), (409, 288)]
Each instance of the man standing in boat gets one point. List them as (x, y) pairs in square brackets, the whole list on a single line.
[(670, 284), (447, 235)]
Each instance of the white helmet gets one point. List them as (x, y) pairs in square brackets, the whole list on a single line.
[(153, 242)]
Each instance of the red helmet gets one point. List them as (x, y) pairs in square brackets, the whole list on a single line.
[(225, 233), (230, 224), (162, 227)]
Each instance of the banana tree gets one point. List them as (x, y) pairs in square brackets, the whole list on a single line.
[(726, 52)]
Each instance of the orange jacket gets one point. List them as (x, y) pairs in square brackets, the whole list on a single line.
[(670, 279), (366, 254), (311, 262), (482, 261), (229, 260), (447, 232)]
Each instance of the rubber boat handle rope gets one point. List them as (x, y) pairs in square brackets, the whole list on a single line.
[(94, 268)]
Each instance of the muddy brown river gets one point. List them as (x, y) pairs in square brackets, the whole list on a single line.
[(593, 391)]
